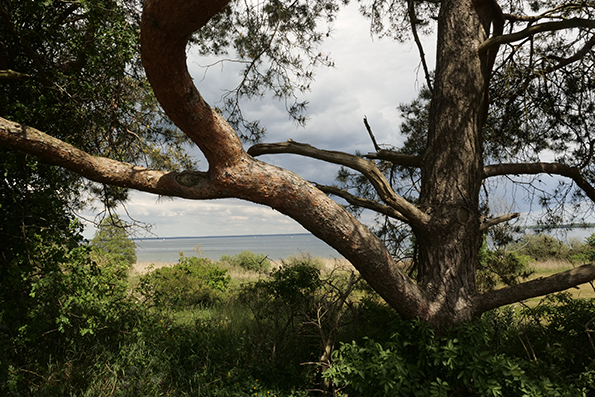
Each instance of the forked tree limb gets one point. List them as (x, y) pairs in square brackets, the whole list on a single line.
[(165, 29), (539, 287), (414, 216), (362, 202)]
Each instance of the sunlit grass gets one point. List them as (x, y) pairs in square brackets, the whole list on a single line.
[(550, 267)]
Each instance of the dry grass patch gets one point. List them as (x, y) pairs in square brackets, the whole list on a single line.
[(142, 268), (552, 266)]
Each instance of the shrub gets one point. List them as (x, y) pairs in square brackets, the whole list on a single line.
[(192, 281), (541, 247), (418, 362), (112, 238), (248, 260), (68, 311), (590, 250), (556, 337), (279, 305)]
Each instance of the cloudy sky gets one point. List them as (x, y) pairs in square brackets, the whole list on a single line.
[(371, 77)]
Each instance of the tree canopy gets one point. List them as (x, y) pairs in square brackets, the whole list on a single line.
[(113, 239), (511, 94)]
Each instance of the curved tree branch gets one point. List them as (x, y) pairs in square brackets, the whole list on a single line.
[(567, 61), (165, 29), (573, 173), (541, 286), (531, 30), (414, 216), (362, 202)]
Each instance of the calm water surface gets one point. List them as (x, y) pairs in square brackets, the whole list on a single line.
[(278, 246)]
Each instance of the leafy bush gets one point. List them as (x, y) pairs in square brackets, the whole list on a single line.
[(541, 247), (192, 281), (248, 260), (112, 238), (555, 338), (418, 362), (280, 305), (590, 249), (70, 309)]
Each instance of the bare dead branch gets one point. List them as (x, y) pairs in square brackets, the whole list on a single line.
[(541, 286), (376, 147), (9, 74), (366, 167), (539, 28), (413, 20), (573, 173), (522, 18), (499, 219), (534, 18), (362, 202)]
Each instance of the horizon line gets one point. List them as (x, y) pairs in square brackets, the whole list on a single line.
[(223, 236)]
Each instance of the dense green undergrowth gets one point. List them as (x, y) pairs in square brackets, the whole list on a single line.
[(77, 327)]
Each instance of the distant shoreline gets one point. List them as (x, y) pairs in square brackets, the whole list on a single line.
[(230, 236), (167, 249)]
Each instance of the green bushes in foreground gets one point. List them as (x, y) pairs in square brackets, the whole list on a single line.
[(89, 334), (417, 362), (191, 282), (248, 260)]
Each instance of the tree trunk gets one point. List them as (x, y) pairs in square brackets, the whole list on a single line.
[(452, 167)]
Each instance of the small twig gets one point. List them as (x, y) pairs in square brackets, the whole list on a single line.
[(376, 147)]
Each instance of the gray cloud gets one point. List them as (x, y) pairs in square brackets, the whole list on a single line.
[(371, 77)]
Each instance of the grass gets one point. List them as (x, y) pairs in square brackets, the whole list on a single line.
[(218, 349), (552, 266)]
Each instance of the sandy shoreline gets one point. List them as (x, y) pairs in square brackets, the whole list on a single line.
[(141, 268)]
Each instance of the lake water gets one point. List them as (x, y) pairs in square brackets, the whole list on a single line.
[(278, 246)]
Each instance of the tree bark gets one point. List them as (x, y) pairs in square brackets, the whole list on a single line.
[(452, 165)]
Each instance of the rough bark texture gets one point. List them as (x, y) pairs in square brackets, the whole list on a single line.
[(452, 165), (446, 221)]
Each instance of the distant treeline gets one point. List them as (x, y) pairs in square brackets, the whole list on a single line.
[(562, 226)]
